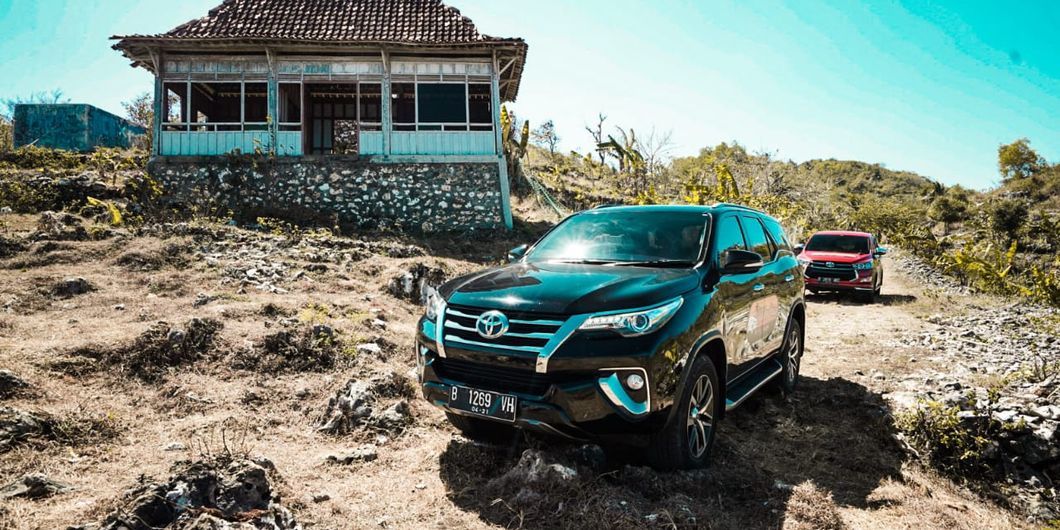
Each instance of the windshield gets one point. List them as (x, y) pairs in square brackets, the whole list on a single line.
[(838, 243), (640, 237)]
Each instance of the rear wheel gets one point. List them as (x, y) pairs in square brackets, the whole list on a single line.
[(687, 439), (481, 430)]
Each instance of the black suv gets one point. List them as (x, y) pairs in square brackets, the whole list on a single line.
[(638, 325)]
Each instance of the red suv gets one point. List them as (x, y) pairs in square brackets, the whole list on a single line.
[(842, 261)]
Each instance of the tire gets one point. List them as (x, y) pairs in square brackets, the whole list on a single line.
[(482, 430), (686, 441), (791, 358)]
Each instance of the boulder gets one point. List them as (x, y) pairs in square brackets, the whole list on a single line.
[(33, 486)]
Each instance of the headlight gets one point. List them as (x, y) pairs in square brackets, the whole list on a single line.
[(864, 266), (805, 262), (636, 323), (435, 305)]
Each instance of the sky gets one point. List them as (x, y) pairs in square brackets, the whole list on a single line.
[(931, 87)]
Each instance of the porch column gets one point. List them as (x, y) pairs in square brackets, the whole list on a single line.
[(387, 95), (502, 162), (159, 117), (274, 113)]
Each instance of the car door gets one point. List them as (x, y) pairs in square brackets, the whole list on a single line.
[(787, 267), (737, 294), (762, 321)]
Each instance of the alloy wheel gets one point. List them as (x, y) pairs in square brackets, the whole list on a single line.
[(793, 356), (700, 420)]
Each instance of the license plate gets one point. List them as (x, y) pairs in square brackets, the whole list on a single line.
[(483, 402), (829, 280)]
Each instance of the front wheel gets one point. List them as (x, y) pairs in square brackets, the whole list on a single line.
[(687, 439), (792, 359)]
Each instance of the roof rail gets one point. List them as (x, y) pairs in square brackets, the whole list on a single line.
[(737, 206)]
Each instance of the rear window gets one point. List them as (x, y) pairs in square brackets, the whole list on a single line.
[(777, 233), (839, 243)]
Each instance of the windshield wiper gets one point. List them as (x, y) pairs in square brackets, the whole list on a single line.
[(656, 263)]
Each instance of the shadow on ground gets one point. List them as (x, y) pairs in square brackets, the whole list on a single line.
[(833, 433)]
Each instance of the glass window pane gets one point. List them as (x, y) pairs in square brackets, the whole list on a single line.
[(442, 103), (756, 237), (728, 236)]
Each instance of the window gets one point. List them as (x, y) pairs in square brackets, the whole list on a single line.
[(442, 106), (371, 106), (480, 107), (436, 106), (403, 106), (776, 232), (290, 106), (839, 243), (756, 237), (619, 236), (728, 236)]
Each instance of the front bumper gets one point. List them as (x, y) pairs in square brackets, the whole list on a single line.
[(583, 400), (863, 282)]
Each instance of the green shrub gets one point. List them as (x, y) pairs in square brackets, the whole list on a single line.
[(959, 446)]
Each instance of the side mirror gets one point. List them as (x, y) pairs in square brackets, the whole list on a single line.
[(741, 262), (517, 253), (798, 249), (880, 251)]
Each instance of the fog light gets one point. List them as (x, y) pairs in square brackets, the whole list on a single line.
[(634, 382)]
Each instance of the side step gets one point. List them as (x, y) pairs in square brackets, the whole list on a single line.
[(763, 374)]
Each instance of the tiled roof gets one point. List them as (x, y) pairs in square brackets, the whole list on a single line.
[(333, 22), (399, 21)]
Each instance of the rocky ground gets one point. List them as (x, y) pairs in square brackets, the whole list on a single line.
[(197, 375)]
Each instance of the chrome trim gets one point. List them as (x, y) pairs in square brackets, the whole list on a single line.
[(454, 338), (511, 320), (439, 341), (562, 334), (729, 405), (462, 327), (607, 385)]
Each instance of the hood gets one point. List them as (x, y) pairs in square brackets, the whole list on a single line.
[(835, 257), (568, 289)]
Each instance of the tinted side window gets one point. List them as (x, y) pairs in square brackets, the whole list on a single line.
[(728, 236), (777, 233), (756, 237)]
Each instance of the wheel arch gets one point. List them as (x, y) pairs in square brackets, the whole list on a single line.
[(711, 345)]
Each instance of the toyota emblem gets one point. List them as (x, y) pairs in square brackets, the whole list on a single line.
[(492, 324), (830, 265)]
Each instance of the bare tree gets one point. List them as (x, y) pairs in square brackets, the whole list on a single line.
[(656, 149), (598, 136), (545, 135)]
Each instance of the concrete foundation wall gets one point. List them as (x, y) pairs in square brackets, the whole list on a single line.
[(426, 197)]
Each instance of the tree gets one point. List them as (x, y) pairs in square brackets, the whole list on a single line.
[(1018, 161), (656, 149), (948, 209), (1006, 217), (141, 111), (545, 136)]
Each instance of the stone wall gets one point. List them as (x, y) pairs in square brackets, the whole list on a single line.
[(426, 197)]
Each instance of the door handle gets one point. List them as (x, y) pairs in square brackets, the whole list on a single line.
[(758, 287), (789, 277)]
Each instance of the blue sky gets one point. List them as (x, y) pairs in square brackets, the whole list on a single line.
[(927, 87)]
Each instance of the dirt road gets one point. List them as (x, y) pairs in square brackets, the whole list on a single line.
[(826, 458)]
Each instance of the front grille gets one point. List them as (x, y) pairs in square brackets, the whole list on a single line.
[(820, 269), (527, 332), (502, 378)]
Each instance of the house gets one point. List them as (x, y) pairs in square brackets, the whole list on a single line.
[(72, 126), (366, 111)]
